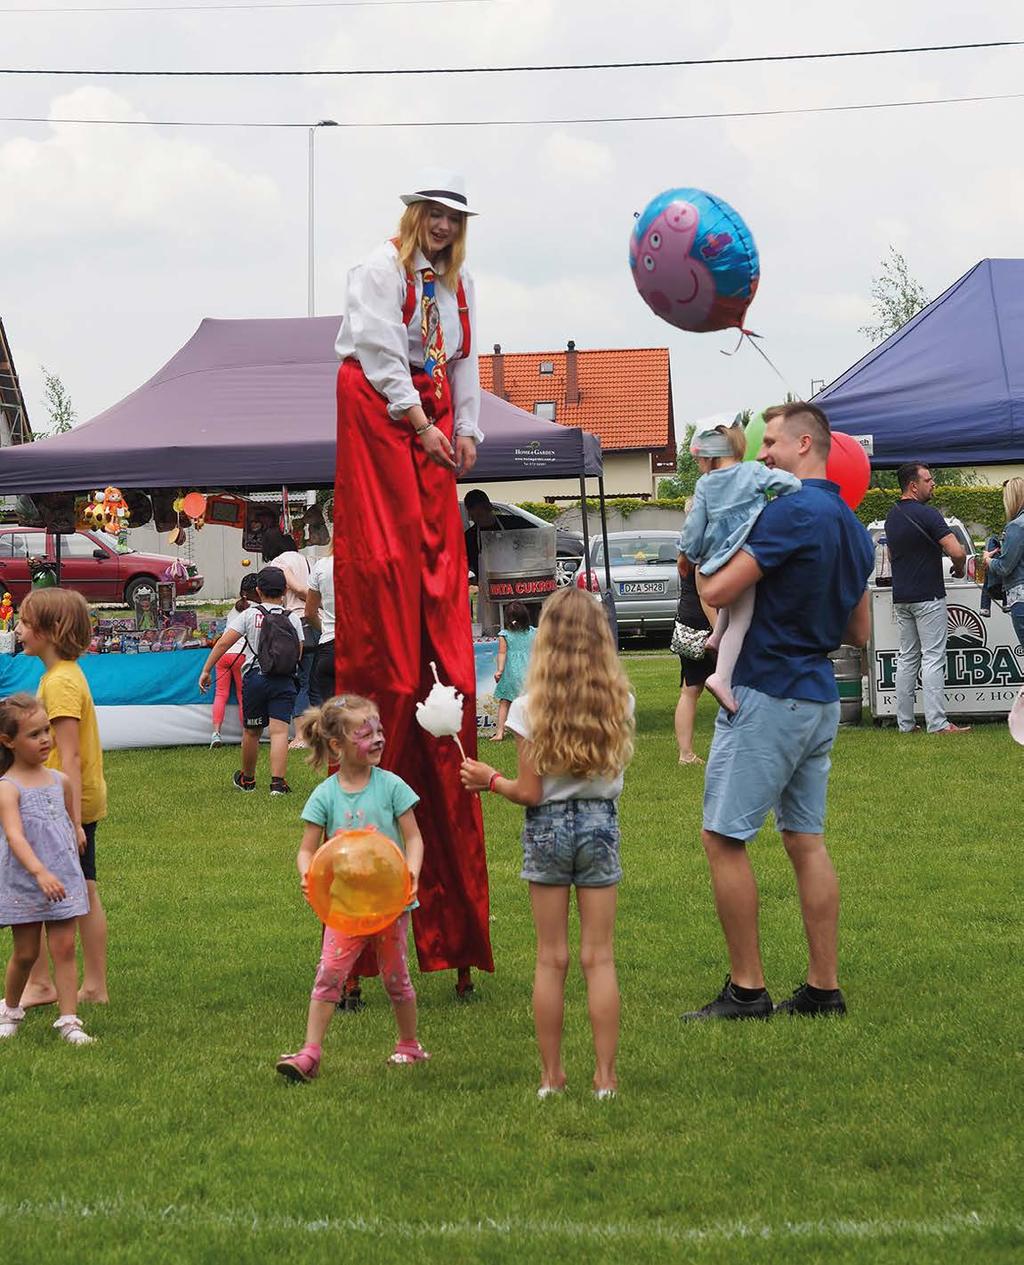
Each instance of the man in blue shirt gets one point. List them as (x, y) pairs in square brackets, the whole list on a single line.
[(810, 559), (919, 543)]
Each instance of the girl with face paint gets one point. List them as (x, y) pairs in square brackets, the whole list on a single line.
[(347, 731)]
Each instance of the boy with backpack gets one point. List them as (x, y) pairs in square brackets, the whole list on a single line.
[(272, 645)]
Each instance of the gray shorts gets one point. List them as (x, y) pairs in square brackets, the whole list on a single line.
[(572, 841), (773, 754)]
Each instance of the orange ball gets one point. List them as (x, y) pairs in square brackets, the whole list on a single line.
[(358, 882)]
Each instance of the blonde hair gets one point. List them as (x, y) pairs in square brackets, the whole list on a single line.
[(1013, 497), (579, 696), (322, 726), (410, 239), (62, 617), (13, 710)]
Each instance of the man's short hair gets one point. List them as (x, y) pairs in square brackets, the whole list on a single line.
[(476, 497), (811, 421), (909, 473)]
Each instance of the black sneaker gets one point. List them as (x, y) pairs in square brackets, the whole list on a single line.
[(244, 783), (802, 1003), (278, 786), (351, 1000), (728, 1006)]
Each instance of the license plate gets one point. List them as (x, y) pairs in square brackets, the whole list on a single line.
[(641, 588)]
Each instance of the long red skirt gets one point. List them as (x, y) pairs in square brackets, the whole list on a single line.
[(402, 601)]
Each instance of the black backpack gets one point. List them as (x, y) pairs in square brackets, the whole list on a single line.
[(279, 646)]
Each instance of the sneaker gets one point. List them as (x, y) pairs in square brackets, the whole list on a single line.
[(10, 1019), (278, 786), (802, 1003), (69, 1028), (954, 729), (728, 1006), (244, 783), (352, 1000), (215, 739), (301, 1067)]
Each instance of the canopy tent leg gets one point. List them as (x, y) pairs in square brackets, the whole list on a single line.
[(586, 530)]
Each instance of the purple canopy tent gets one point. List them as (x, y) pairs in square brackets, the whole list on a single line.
[(249, 404)]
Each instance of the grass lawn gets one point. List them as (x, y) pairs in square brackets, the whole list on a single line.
[(892, 1136)]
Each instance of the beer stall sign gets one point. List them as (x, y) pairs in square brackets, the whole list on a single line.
[(984, 660)]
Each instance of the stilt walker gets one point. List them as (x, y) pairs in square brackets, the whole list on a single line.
[(408, 411)]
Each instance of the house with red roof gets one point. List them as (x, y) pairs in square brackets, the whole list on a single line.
[(623, 396)]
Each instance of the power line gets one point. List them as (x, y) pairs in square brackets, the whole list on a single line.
[(564, 122), (507, 70), (204, 8)]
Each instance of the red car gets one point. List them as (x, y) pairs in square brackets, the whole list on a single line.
[(89, 564)]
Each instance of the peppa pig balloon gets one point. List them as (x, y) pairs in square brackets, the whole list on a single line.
[(694, 261)]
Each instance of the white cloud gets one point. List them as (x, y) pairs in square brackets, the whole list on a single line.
[(566, 159)]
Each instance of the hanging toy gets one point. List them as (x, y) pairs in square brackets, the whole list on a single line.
[(694, 261), (107, 510), (6, 611), (194, 505), (175, 570)]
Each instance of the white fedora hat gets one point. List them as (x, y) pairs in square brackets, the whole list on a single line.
[(447, 188)]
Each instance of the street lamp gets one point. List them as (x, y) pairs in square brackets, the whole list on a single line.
[(312, 134)]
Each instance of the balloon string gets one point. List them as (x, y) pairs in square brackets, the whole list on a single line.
[(750, 336)]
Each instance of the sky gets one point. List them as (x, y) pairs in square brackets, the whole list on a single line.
[(115, 242)]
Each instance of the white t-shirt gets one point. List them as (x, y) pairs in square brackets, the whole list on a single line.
[(565, 785), (247, 623), (296, 570), (321, 580)]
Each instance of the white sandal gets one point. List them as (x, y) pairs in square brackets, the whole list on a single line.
[(69, 1028), (10, 1019)]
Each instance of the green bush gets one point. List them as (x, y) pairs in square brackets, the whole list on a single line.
[(542, 509), (970, 504)]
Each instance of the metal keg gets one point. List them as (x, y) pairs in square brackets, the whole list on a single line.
[(847, 663)]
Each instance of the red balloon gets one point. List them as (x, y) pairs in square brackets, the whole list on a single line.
[(848, 466)]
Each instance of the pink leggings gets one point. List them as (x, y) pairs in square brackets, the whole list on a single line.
[(340, 954), (229, 668)]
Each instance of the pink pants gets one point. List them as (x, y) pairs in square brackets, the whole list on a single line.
[(340, 954), (229, 668)]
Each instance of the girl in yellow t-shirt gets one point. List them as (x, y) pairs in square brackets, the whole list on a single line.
[(54, 626)]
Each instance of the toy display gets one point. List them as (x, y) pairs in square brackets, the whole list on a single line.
[(694, 261), (358, 882), (106, 511)]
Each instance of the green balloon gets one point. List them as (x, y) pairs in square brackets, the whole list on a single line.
[(755, 436)]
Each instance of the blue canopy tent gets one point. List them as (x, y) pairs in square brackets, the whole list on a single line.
[(947, 387)]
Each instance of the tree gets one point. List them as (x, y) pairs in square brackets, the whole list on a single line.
[(687, 473), (58, 403), (895, 298)]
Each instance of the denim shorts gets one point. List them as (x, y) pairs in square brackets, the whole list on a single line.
[(267, 698), (572, 841), (774, 753)]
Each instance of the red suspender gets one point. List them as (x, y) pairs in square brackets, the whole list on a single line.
[(464, 319), (409, 306)]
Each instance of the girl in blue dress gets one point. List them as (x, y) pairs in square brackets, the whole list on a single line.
[(41, 880), (514, 643), (729, 496)]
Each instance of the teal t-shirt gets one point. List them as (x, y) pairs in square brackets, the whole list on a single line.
[(380, 803)]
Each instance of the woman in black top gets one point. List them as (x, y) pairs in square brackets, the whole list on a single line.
[(692, 672)]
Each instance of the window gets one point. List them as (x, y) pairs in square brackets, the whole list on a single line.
[(545, 409), (547, 368), (23, 544), (77, 546)]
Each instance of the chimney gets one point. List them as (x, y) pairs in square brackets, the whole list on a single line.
[(572, 385), (498, 373)]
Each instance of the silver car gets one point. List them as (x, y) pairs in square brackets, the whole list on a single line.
[(645, 582)]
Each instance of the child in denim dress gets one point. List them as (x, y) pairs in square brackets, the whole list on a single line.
[(727, 500), (574, 736)]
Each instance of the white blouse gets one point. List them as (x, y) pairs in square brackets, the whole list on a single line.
[(373, 332)]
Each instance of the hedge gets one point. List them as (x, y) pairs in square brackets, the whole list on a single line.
[(972, 505)]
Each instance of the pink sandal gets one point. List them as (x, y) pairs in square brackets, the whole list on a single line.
[(409, 1052), (301, 1067)]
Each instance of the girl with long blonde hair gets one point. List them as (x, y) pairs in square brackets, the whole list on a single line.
[(574, 735)]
